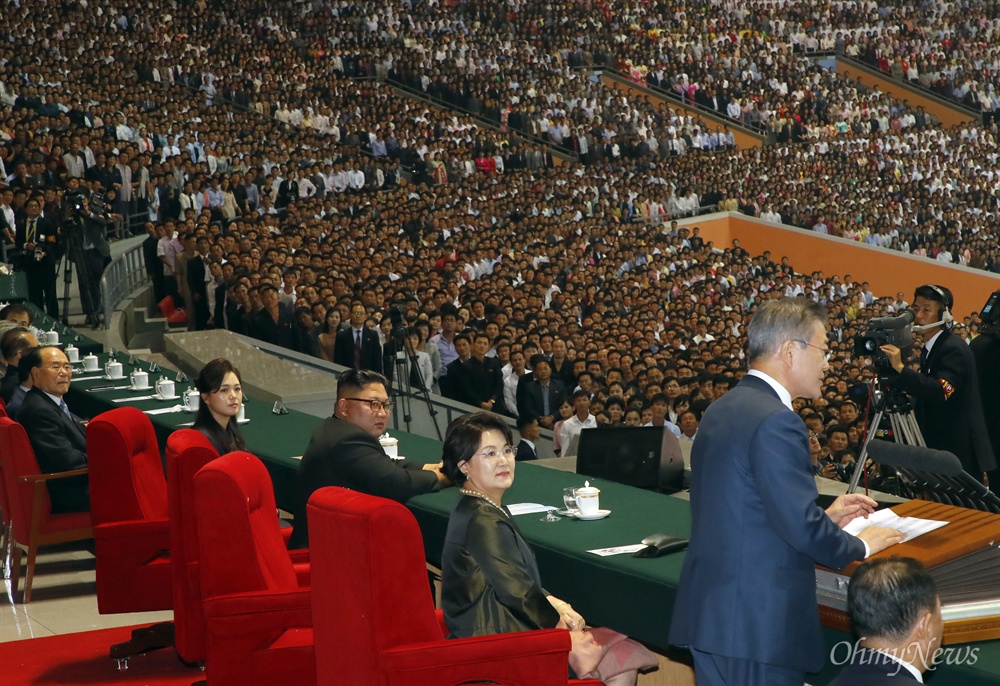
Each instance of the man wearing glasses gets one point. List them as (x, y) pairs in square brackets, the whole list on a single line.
[(345, 451), (57, 435), (754, 516)]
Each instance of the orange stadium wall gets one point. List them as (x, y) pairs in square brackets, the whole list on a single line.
[(888, 271)]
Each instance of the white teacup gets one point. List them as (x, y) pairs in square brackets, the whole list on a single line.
[(390, 446), (72, 353), (113, 370), (140, 380), (588, 500), (90, 363), (52, 337), (165, 388), (191, 401)]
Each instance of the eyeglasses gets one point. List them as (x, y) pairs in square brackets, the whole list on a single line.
[(827, 353), (66, 367), (375, 404), (492, 455)]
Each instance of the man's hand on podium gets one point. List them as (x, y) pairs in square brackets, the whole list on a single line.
[(879, 538), (849, 507)]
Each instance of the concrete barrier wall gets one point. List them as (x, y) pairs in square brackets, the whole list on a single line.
[(888, 271)]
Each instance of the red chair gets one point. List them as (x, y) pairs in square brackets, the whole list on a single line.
[(32, 523), (258, 616), (172, 313), (187, 452), (128, 508), (373, 616)]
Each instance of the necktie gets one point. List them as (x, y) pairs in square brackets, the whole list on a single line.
[(30, 235), (545, 401), (65, 408), (357, 349), (923, 360)]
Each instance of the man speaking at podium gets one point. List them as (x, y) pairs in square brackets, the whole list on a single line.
[(746, 606)]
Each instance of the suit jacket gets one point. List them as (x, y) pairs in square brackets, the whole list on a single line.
[(481, 381), (45, 236), (870, 668), (284, 332), (9, 383), (342, 454), (986, 350), (754, 516), (60, 444), (525, 452), (529, 396), (371, 349), (16, 400), (954, 423)]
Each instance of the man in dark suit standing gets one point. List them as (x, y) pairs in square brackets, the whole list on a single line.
[(358, 347), (896, 613), (481, 380), (948, 407), (96, 255), (527, 429), (57, 436), (542, 394), (197, 273), (986, 349), (38, 241), (345, 451), (754, 516), (274, 324)]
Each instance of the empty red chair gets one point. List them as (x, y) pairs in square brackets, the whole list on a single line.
[(32, 523), (258, 616), (187, 452), (128, 507), (373, 616), (170, 311)]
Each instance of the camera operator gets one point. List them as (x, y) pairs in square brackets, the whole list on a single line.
[(946, 390), (986, 349), (38, 240), (88, 215)]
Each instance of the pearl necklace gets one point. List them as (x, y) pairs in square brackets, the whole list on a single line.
[(477, 494)]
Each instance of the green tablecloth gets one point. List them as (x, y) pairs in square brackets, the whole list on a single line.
[(13, 287), (632, 595)]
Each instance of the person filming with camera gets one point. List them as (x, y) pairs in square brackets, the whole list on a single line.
[(946, 389), (87, 215)]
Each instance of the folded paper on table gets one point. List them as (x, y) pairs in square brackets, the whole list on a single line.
[(617, 550), (911, 526), (528, 508)]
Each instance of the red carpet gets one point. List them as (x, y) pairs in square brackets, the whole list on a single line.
[(83, 659)]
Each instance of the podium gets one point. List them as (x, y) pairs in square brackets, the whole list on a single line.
[(964, 559)]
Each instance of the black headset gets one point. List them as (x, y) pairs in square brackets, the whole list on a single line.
[(944, 297)]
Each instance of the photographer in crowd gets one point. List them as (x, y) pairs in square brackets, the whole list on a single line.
[(946, 389), (85, 222)]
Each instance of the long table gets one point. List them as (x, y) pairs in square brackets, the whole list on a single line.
[(67, 335), (632, 595)]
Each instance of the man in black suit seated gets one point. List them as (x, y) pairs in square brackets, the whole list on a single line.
[(345, 451), (527, 429), (358, 347), (542, 394), (896, 612), (57, 436), (14, 343)]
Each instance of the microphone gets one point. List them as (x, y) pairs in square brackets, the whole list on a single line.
[(914, 457), (927, 326)]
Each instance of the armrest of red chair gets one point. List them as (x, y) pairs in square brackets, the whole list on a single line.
[(299, 556), (537, 657), (287, 609), (302, 574), (36, 478), (140, 537), (439, 615)]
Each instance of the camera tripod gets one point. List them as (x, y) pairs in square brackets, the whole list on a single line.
[(898, 409), (400, 357), (75, 254)]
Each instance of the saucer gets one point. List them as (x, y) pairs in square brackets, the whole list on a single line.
[(600, 514), (563, 512), (114, 378), (242, 421), (144, 388), (167, 397)]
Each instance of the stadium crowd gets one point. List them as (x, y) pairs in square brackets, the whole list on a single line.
[(263, 139)]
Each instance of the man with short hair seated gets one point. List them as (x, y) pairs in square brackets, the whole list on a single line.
[(345, 451), (12, 345), (896, 613), (57, 435)]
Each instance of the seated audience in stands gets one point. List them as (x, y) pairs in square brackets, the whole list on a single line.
[(896, 613), (57, 436), (345, 451), (221, 397)]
